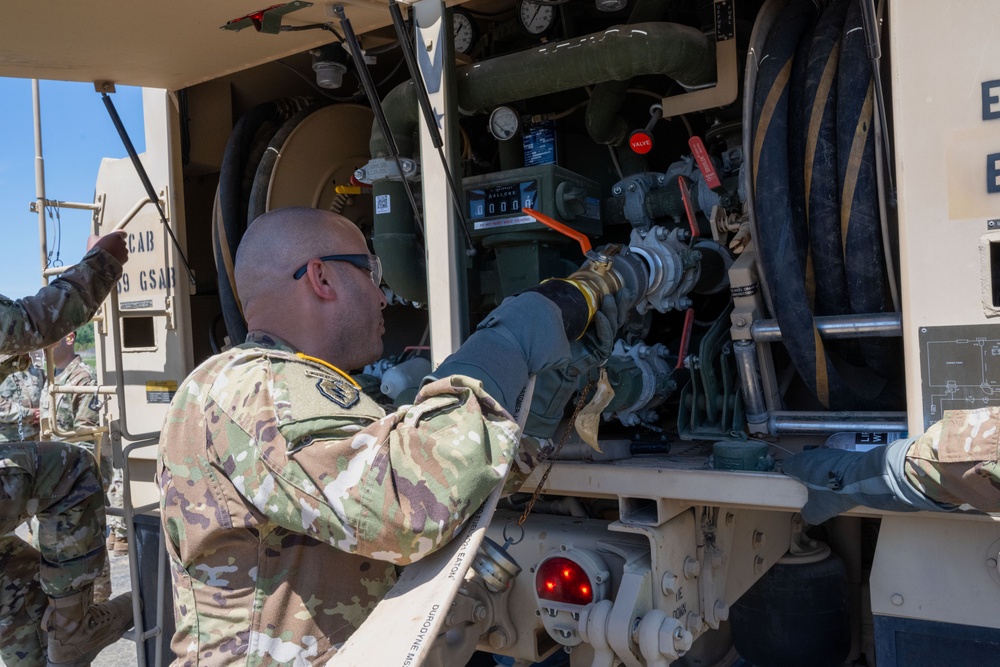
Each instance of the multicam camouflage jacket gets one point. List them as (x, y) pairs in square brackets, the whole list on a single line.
[(288, 498), (75, 411), (65, 304), (20, 393), (957, 460)]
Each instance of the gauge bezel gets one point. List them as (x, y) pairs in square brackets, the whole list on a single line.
[(457, 15), (499, 134), (551, 10)]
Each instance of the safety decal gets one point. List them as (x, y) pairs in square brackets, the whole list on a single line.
[(338, 391)]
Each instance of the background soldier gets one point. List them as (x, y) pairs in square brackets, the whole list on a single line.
[(20, 397), (59, 484)]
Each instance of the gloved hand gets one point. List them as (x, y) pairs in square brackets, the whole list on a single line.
[(838, 480), (555, 386), (524, 334)]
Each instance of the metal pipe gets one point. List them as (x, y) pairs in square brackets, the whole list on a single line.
[(133, 212), (885, 325), (129, 516), (71, 205), (36, 103), (827, 423), (750, 382)]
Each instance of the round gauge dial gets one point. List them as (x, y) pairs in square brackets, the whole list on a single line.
[(465, 32), (535, 18), (504, 123)]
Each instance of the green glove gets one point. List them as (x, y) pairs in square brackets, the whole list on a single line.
[(554, 387), (524, 335), (838, 480)]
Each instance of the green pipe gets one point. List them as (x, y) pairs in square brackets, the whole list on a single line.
[(397, 245), (616, 54)]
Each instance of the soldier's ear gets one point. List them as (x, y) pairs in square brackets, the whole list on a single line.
[(321, 279)]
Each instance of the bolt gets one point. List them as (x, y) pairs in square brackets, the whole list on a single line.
[(692, 568), (721, 610), (730, 517), (758, 540), (741, 321), (407, 166), (896, 599), (661, 179), (991, 563), (359, 174), (661, 234), (617, 190), (479, 612), (694, 622), (631, 187), (499, 638), (758, 565), (669, 584)]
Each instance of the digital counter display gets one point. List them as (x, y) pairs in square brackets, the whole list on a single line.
[(507, 199)]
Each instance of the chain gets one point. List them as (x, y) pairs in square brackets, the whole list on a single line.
[(548, 456)]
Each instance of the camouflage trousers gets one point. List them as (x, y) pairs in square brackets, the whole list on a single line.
[(58, 483)]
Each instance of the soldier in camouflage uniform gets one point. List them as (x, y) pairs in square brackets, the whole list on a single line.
[(20, 401), (954, 463), (58, 483), (288, 496), (78, 412)]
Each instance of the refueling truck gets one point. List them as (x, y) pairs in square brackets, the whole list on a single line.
[(805, 196)]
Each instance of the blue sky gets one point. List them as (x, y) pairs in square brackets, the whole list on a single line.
[(76, 134)]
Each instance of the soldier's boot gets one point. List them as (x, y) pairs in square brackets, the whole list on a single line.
[(79, 630), (839, 480)]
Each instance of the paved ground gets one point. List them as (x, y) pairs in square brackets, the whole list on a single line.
[(122, 653)]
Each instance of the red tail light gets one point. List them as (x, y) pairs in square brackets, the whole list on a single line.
[(563, 580)]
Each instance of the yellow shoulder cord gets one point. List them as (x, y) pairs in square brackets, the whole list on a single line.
[(333, 368)]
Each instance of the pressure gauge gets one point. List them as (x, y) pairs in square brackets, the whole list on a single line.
[(535, 18), (504, 123), (465, 32)]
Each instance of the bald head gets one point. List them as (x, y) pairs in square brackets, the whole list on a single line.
[(279, 242)]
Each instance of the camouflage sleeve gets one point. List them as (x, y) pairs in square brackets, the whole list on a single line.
[(957, 460), (59, 308), (308, 452)]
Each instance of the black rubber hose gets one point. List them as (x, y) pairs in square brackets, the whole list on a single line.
[(820, 163), (782, 242), (233, 210), (797, 150), (864, 259)]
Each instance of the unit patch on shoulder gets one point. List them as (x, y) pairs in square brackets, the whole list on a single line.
[(339, 391)]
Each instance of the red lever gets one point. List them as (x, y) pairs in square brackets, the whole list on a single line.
[(579, 237), (704, 163)]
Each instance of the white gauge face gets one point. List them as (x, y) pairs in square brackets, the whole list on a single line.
[(535, 18), (464, 33), (504, 123)]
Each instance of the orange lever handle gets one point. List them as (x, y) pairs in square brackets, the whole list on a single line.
[(579, 237)]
